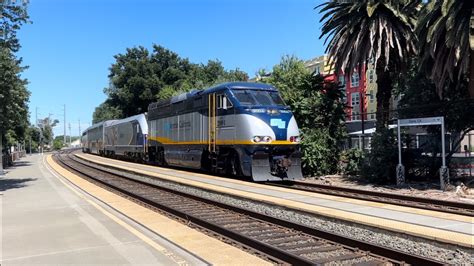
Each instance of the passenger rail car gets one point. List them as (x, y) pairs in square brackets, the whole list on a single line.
[(234, 128), (118, 138), (127, 138), (93, 138)]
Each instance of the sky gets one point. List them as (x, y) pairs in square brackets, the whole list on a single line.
[(70, 44)]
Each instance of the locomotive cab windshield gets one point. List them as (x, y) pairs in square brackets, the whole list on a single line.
[(254, 97)]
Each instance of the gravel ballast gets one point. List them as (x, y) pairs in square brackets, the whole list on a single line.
[(446, 253)]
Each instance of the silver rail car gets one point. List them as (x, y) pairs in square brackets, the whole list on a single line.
[(127, 138), (93, 138)]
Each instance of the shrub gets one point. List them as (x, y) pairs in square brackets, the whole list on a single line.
[(382, 159), (352, 161)]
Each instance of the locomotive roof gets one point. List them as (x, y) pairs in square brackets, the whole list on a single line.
[(242, 85), (228, 85)]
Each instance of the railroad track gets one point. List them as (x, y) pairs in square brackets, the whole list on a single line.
[(383, 197), (278, 240)]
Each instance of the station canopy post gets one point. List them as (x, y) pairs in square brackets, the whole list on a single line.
[(426, 121)]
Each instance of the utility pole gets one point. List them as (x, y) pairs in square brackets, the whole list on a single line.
[(80, 133), (64, 121), (69, 134)]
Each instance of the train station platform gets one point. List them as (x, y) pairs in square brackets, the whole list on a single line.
[(433, 225), (48, 219)]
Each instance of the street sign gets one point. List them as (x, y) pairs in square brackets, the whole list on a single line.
[(438, 120)]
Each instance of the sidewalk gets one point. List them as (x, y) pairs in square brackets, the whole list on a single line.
[(45, 222)]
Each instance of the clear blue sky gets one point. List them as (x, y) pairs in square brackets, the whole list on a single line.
[(70, 45)]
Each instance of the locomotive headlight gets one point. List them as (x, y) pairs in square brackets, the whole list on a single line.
[(295, 139), (262, 139)]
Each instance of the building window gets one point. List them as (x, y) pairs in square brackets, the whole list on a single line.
[(355, 115), (371, 96), (371, 76), (355, 80), (342, 80), (317, 70), (355, 99), (372, 114)]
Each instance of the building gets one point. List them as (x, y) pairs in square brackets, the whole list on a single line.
[(360, 88)]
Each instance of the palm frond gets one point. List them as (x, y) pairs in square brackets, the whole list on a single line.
[(444, 33), (360, 30)]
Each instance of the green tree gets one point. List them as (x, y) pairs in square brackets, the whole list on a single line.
[(32, 138), (168, 92), (13, 94), (365, 30), (289, 74), (13, 97), (446, 33), (420, 99), (58, 144), (318, 108), (47, 125), (12, 16), (133, 81), (106, 112), (139, 77)]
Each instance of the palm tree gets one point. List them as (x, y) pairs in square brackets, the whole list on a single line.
[(447, 42), (364, 30)]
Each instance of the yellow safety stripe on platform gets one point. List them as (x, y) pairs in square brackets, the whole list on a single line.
[(208, 248), (412, 229), (168, 141), (432, 213), (443, 215)]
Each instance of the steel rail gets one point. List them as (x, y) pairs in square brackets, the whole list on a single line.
[(453, 207), (375, 250)]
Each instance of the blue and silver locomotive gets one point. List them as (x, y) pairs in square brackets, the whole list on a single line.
[(239, 128), (233, 128)]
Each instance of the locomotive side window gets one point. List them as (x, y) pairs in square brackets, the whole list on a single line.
[(223, 102)]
